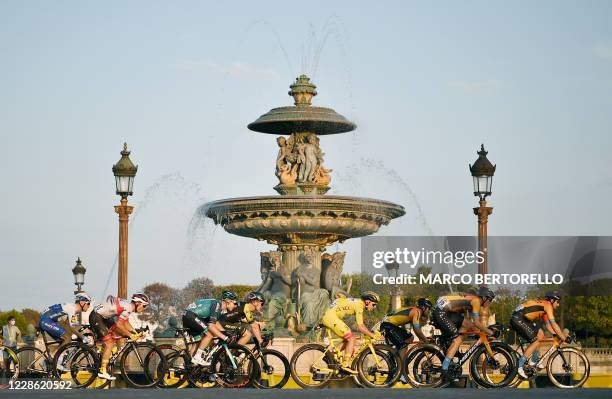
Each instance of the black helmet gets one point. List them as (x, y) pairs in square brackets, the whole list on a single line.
[(553, 296), (424, 303), (371, 296), (486, 293), (255, 296), (229, 295)]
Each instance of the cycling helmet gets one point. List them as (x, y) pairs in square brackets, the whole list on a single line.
[(371, 296), (82, 296), (141, 298), (229, 296), (424, 303), (553, 296), (486, 293), (252, 296)]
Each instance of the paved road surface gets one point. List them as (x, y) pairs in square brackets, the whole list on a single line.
[(315, 394)]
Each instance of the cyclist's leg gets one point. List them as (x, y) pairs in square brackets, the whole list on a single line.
[(340, 328), (526, 330), (449, 324), (100, 326)]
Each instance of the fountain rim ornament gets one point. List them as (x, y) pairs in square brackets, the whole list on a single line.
[(302, 117)]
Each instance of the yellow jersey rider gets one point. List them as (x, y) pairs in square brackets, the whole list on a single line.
[(343, 307), (448, 317), (392, 326), (523, 318)]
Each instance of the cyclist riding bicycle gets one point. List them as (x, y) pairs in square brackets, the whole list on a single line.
[(202, 318), (393, 325), (110, 322), (59, 320), (522, 321), (244, 313), (343, 307), (448, 316)]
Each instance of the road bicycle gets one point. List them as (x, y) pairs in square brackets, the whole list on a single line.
[(566, 366), (141, 364), (38, 363), (492, 363), (232, 365), (315, 365)]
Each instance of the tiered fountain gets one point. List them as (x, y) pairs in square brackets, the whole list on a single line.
[(299, 278)]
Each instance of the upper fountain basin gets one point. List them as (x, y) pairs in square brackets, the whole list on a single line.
[(288, 219)]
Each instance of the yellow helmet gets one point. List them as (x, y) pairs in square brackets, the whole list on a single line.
[(371, 296)]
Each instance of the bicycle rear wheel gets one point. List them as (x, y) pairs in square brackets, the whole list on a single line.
[(33, 363), (80, 361), (143, 365), (234, 367), (176, 370), (495, 371), (379, 369), (568, 368), (312, 366), (275, 372), (423, 367)]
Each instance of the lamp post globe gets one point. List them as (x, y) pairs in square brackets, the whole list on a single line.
[(124, 171), (482, 174), (78, 271)]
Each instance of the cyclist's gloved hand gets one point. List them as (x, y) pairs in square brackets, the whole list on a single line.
[(568, 339), (230, 339), (135, 336), (378, 336)]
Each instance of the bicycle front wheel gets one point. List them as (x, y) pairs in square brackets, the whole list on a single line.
[(380, 368), (143, 365), (568, 368), (274, 372), (9, 370)]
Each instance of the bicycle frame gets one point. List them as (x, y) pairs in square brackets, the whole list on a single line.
[(482, 340), (338, 351), (556, 343)]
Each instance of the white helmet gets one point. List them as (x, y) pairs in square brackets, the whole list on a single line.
[(82, 296), (140, 298)]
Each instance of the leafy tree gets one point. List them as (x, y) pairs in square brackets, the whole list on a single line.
[(198, 288), (32, 316)]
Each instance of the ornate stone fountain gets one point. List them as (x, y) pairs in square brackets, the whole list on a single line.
[(299, 278)]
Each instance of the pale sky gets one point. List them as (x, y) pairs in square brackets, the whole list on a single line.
[(425, 82)]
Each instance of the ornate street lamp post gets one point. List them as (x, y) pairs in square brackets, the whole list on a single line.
[(482, 174), (78, 271), (124, 172), (396, 299)]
